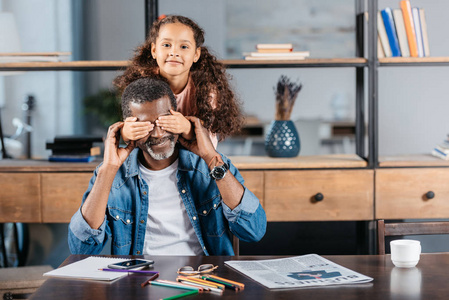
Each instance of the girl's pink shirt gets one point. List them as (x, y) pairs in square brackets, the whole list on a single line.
[(186, 105)]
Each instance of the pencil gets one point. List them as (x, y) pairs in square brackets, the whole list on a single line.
[(241, 285), (201, 281), (226, 284), (172, 285), (149, 279), (199, 288), (129, 271), (181, 295)]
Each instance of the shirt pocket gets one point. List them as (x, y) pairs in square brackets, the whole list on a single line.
[(212, 218), (121, 226)]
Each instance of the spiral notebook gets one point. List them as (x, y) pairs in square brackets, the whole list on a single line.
[(88, 268)]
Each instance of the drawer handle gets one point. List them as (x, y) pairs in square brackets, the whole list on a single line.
[(430, 195), (319, 197)]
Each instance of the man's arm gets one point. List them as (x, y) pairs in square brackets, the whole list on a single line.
[(230, 189), (94, 207)]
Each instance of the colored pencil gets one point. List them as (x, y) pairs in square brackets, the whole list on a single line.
[(241, 285), (149, 279), (199, 288), (129, 271), (206, 289), (171, 285), (181, 295), (203, 282), (226, 284)]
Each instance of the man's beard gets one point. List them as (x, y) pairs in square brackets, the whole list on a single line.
[(163, 155)]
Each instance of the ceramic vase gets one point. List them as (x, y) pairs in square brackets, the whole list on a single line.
[(282, 139)]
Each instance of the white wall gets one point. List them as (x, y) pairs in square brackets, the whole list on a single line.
[(43, 26)]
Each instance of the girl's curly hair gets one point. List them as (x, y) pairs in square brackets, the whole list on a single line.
[(208, 75)]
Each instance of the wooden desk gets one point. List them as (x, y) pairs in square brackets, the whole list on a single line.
[(427, 281)]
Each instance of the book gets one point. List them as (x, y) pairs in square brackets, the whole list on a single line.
[(409, 27), (380, 50), (273, 54), (418, 33), (383, 35), (78, 139), (88, 268), (274, 46), (274, 50), (77, 151), (400, 30), (390, 28), (71, 158), (425, 36)]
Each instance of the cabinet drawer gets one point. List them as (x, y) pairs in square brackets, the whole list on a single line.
[(254, 182), (62, 194), (20, 198), (401, 193), (290, 195)]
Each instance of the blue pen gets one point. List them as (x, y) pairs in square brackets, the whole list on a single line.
[(130, 271)]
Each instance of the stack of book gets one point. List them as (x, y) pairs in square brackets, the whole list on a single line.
[(276, 52), (74, 148), (402, 32), (442, 150)]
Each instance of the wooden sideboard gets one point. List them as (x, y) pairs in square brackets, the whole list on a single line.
[(43, 192), (305, 188)]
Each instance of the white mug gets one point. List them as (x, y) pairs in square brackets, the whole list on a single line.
[(405, 253)]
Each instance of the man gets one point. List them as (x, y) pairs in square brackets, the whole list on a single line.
[(156, 197)]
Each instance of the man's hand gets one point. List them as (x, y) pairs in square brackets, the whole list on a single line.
[(201, 145), (133, 130), (176, 123), (113, 154)]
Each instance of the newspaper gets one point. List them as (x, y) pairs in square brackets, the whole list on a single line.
[(299, 271)]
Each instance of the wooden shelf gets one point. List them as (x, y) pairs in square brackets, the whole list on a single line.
[(241, 162), (237, 63), (424, 160), (306, 63), (414, 61), (339, 161), (62, 66)]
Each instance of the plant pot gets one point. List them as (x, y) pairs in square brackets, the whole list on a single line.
[(282, 139)]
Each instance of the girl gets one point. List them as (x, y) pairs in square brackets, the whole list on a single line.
[(174, 50)]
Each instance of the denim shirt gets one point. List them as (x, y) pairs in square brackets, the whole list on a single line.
[(127, 210)]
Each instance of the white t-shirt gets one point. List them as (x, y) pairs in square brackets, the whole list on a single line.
[(168, 229)]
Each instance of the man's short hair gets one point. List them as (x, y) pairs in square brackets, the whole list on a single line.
[(145, 90)]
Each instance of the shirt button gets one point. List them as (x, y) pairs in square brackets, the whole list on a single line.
[(128, 221), (142, 221), (144, 193), (137, 252), (215, 205), (117, 217), (204, 211), (194, 218), (183, 191)]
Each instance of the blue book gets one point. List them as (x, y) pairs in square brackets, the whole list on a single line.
[(390, 28)]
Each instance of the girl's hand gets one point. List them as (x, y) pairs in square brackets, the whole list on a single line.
[(176, 123), (201, 145), (133, 130)]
